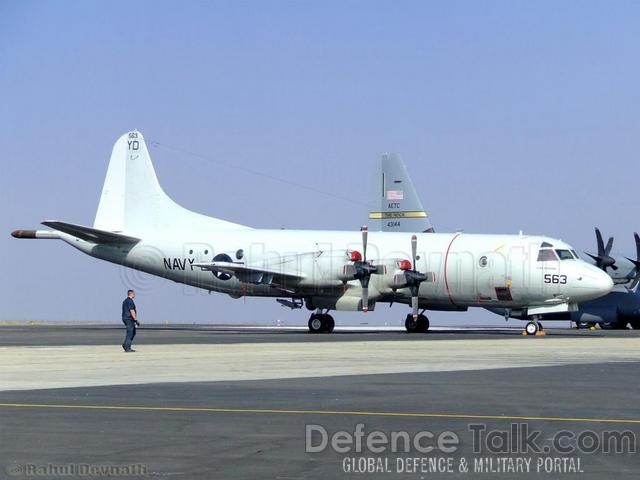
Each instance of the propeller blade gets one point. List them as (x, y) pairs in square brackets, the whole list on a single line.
[(365, 232), (607, 249), (414, 249), (603, 259), (636, 277), (595, 257), (636, 262), (600, 242)]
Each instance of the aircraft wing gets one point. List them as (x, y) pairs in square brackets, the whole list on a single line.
[(253, 273), (91, 234)]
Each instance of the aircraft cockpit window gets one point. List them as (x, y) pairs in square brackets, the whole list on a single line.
[(564, 255), (546, 255), (575, 254), (545, 245)]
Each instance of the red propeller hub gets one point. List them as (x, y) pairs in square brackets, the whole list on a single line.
[(356, 256), (404, 265)]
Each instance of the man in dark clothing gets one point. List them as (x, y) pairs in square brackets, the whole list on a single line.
[(130, 320)]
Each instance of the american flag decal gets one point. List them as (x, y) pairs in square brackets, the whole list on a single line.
[(395, 195)]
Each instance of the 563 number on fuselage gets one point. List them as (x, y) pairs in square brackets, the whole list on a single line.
[(556, 279)]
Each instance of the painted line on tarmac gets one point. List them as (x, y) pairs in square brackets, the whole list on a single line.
[(461, 416)]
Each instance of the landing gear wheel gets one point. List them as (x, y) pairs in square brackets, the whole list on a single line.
[(423, 324), (329, 324), (617, 325), (419, 325), (635, 325), (316, 323), (321, 322), (532, 328), (410, 324), (587, 325)]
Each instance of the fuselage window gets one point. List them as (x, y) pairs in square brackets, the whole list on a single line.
[(564, 254), (546, 255)]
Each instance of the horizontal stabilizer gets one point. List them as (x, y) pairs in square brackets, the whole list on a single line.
[(91, 234)]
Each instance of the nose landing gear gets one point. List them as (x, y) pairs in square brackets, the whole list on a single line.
[(534, 327)]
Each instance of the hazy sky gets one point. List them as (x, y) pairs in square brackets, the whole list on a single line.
[(509, 114)]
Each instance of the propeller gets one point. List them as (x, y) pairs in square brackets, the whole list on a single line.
[(636, 262), (603, 259), (363, 269), (414, 278)]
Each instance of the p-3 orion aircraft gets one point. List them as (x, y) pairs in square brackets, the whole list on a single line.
[(619, 308), (137, 225)]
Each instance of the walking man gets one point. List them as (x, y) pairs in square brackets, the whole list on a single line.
[(130, 320)]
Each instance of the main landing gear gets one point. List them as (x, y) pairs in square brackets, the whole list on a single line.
[(534, 328), (321, 323), (418, 325)]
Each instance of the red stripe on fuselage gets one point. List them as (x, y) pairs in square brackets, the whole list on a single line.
[(446, 259)]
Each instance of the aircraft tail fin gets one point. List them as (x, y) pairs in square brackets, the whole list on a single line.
[(133, 201), (395, 204)]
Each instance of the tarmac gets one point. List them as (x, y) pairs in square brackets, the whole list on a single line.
[(231, 402)]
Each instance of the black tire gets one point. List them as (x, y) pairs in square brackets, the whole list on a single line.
[(635, 325), (619, 325), (420, 325), (411, 325), (316, 323), (329, 324), (586, 325), (423, 324)]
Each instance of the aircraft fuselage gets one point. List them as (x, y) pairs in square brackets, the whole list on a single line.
[(464, 269)]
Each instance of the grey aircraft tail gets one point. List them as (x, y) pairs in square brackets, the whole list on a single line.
[(394, 204)]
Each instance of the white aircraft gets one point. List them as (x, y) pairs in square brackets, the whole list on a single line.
[(137, 225)]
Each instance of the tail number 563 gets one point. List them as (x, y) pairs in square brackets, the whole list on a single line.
[(561, 279)]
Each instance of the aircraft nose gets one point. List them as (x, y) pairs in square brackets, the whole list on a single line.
[(594, 283)]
